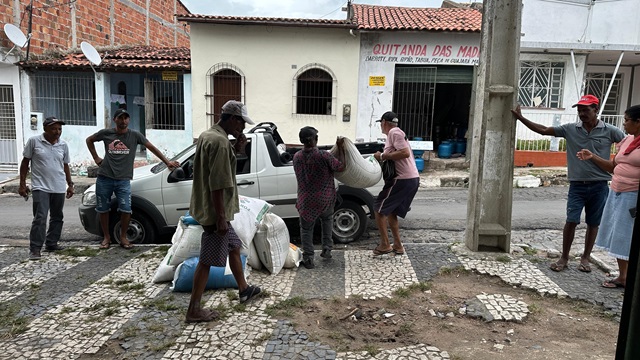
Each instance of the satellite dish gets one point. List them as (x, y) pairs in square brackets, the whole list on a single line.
[(16, 35), (91, 53)]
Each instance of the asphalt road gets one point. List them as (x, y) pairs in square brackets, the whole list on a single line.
[(433, 208)]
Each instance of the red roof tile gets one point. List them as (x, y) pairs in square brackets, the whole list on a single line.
[(370, 17), (250, 20), (140, 57)]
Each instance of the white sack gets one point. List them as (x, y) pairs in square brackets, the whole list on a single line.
[(186, 243), (272, 243), (165, 271), (253, 260), (294, 256), (246, 222), (359, 172)]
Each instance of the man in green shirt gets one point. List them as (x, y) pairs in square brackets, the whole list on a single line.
[(214, 201)]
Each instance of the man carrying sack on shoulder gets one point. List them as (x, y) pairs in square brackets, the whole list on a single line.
[(397, 194)]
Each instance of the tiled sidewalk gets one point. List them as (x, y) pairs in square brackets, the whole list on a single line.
[(76, 306)]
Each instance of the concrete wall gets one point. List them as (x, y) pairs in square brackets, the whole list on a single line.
[(379, 54), (581, 21), (270, 57)]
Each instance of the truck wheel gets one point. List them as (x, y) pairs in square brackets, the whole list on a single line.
[(140, 230), (349, 222)]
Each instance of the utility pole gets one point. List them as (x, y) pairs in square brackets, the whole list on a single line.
[(493, 137), (30, 9)]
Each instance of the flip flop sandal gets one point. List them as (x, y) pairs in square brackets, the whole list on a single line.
[(104, 245), (211, 316), (376, 251), (127, 246), (557, 267), (584, 267), (612, 284), (398, 252)]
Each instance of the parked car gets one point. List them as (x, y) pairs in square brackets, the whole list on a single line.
[(159, 196)]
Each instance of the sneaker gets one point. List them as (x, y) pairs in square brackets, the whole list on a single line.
[(55, 247), (308, 263), (34, 255), (326, 253), (250, 292)]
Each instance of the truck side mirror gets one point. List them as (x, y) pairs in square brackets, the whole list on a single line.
[(176, 175)]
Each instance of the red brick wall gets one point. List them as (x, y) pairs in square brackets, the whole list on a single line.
[(52, 25)]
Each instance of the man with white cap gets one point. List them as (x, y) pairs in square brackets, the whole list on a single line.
[(214, 201), (588, 184), (50, 181)]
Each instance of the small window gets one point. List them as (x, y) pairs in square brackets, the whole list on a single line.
[(314, 92), (541, 84)]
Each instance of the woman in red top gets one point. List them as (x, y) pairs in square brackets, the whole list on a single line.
[(616, 226)]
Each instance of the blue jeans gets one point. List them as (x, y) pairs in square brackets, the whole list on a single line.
[(306, 233), (44, 204), (590, 195), (105, 187)]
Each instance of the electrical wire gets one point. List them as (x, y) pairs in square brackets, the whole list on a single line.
[(340, 7)]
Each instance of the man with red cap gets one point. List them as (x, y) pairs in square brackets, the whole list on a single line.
[(588, 184)]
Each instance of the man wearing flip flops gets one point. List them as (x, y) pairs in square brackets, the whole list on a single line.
[(214, 202), (588, 184), (397, 194), (116, 171)]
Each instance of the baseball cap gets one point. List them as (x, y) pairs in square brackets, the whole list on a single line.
[(120, 112), (389, 116), (52, 120), (587, 100), (238, 109), (306, 133)]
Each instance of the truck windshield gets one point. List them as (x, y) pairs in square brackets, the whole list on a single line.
[(161, 166)]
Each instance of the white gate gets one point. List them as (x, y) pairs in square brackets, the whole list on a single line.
[(8, 146)]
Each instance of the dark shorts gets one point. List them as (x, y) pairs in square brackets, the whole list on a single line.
[(590, 196), (214, 249), (396, 197)]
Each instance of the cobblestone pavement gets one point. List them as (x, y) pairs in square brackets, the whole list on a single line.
[(83, 306)]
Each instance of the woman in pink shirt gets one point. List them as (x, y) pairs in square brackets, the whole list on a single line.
[(616, 226)]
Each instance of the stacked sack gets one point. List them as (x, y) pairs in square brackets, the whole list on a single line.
[(254, 221)]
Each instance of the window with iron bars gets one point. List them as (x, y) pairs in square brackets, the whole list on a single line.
[(7, 113), (69, 96), (541, 84), (224, 82), (315, 91), (164, 103), (598, 83)]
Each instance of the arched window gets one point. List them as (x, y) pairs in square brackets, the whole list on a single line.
[(224, 82), (315, 91)]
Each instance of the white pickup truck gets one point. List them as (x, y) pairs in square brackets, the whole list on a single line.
[(159, 196)]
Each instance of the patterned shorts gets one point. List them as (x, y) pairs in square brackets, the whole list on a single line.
[(214, 249)]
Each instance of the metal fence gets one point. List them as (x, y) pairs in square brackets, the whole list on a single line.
[(69, 96), (164, 100), (528, 140), (8, 152)]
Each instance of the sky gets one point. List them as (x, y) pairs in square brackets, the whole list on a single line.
[(315, 9)]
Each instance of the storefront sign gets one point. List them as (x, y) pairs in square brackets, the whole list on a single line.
[(169, 75), (376, 80), (444, 53)]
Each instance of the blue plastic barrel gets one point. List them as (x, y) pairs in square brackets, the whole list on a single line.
[(420, 164), (444, 150), (461, 146)]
